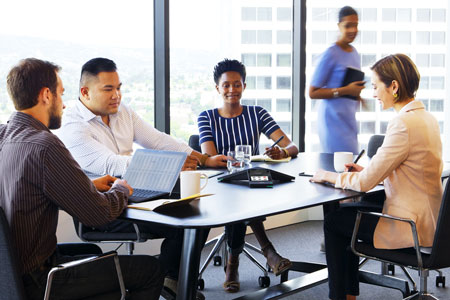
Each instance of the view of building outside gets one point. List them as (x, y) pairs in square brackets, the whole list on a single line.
[(418, 29), (74, 32), (258, 33)]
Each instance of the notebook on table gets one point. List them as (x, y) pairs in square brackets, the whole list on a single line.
[(153, 173)]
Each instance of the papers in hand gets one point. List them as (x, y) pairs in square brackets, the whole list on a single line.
[(268, 159), (161, 204)]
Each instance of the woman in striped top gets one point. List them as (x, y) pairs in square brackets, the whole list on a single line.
[(221, 129)]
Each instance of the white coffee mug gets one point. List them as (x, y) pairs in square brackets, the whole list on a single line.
[(190, 183), (342, 158)]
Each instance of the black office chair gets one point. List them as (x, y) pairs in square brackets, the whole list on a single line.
[(413, 257), (219, 243), (92, 235), (11, 284)]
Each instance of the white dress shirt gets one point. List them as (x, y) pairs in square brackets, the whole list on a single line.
[(103, 149), (410, 164)]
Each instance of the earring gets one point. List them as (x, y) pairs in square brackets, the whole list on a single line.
[(395, 95)]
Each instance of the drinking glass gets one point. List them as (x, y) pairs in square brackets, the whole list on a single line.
[(235, 161), (247, 150)]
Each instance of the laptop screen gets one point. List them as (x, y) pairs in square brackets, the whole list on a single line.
[(154, 170)]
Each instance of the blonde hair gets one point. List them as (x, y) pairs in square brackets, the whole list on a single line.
[(401, 68)]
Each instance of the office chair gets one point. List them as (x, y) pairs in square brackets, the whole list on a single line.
[(11, 284), (89, 234), (219, 243), (415, 257)]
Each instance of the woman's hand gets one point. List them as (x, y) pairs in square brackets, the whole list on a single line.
[(324, 176), (275, 153), (355, 167), (354, 88)]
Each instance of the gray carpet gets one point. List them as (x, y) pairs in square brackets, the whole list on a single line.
[(301, 242)]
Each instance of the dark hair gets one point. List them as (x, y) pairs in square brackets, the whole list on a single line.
[(95, 66), (26, 80), (227, 65), (401, 68), (346, 11)]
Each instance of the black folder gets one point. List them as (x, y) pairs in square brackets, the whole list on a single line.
[(352, 75)]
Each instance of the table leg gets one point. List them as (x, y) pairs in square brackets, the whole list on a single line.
[(190, 260)]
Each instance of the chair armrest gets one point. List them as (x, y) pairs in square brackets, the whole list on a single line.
[(83, 261), (381, 215)]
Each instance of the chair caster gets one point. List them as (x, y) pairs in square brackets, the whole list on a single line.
[(268, 268), (264, 281), (440, 280), (217, 260), (200, 284), (391, 269)]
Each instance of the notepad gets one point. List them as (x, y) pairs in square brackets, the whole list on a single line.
[(265, 158), (352, 75), (161, 204)]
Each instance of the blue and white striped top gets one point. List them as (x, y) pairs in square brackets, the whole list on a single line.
[(244, 129)]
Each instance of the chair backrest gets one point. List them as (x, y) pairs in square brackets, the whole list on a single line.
[(194, 142), (375, 142), (11, 285), (440, 257)]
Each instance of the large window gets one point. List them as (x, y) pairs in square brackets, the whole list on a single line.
[(71, 34), (385, 27), (258, 35)]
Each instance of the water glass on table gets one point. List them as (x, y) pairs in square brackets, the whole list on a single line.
[(235, 161), (247, 150)]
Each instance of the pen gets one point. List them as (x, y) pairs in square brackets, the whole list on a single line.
[(277, 141), (357, 158)]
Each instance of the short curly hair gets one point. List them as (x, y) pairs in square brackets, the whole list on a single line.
[(228, 65)]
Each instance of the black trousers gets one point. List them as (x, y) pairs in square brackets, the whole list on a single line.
[(142, 274), (171, 247), (342, 263)]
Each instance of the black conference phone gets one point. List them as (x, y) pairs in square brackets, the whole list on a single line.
[(256, 177)]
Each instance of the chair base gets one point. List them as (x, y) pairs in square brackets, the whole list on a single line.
[(421, 296)]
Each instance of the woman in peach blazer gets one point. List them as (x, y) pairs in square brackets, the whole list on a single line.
[(410, 165)]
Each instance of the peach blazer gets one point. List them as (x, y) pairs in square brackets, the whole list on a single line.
[(410, 164)]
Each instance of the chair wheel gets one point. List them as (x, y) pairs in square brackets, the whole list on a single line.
[(268, 268), (201, 284), (440, 280), (217, 261), (391, 269), (264, 281)]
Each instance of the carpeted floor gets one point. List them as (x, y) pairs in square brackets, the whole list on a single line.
[(302, 242)]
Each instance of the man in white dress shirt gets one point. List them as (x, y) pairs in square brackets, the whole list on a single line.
[(100, 131)]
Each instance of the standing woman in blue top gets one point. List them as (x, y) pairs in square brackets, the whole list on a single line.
[(336, 114), (221, 129)]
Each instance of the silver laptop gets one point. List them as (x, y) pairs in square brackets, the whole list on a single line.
[(153, 173)]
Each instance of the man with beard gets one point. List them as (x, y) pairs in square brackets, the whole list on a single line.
[(38, 176)]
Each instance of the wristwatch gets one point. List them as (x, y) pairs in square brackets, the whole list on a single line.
[(335, 93)]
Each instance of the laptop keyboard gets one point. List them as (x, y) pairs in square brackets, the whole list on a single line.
[(145, 193)]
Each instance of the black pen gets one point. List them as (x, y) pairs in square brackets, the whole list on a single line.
[(277, 141), (357, 158)]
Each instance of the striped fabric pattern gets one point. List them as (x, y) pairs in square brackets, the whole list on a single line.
[(244, 129), (37, 176)]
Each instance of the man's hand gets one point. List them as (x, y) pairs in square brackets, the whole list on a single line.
[(104, 183), (124, 183), (216, 161), (190, 163)]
